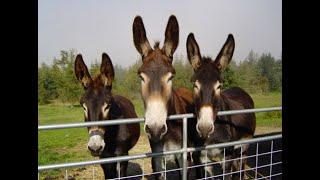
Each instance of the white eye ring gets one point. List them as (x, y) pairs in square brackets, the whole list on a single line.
[(218, 86), (85, 107), (196, 85), (105, 109), (142, 79), (170, 79)]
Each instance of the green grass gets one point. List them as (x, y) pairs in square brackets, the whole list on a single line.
[(273, 118), (69, 145), (54, 145), (138, 106)]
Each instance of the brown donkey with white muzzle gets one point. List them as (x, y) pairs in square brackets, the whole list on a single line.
[(99, 104), (159, 98), (209, 99)]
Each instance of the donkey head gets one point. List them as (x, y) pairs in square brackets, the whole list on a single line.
[(207, 82), (96, 99), (156, 73)]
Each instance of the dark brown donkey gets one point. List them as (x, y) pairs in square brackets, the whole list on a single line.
[(159, 98), (99, 104), (209, 99)]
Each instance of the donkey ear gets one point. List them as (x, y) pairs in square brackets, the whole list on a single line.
[(193, 52), (225, 54), (106, 70), (171, 36), (140, 38), (82, 72)]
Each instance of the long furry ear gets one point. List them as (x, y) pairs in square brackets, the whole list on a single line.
[(171, 36), (140, 37), (106, 70), (193, 51), (225, 55), (82, 72)]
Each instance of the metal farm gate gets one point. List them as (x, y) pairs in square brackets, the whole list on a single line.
[(264, 159)]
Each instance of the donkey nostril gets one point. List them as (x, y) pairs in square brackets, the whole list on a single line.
[(163, 129), (197, 126), (147, 129), (90, 148), (99, 148), (210, 130), (95, 148)]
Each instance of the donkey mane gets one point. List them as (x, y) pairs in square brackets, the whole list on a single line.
[(206, 59), (97, 81)]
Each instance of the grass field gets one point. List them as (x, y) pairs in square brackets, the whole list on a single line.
[(69, 145)]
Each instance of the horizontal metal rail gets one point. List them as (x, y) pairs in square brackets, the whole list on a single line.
[(233, 143), (146, 155), (139, 120)]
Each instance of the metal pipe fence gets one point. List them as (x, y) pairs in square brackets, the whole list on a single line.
[(253, 169)]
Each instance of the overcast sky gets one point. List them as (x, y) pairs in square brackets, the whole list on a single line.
[(96, 26)]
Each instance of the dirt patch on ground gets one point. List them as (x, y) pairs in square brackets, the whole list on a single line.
[(135, 167), (267, 129)]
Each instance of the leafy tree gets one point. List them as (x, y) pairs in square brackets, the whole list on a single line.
[(131, 81), (183, 74), (229, 76), (255, 74), (69, 89), (250, 79), (271, 69)]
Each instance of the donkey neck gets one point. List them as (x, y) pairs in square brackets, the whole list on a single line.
[(115, 110), (176, 104), (223, 106), (234, 125)]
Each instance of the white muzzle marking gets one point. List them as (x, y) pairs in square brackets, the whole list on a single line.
[(206, 115), (205, 118), (156, 114), (95, 142)]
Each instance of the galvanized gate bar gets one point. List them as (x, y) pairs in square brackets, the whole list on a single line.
[(146, 155), (184, 148), (92, 123), (233, 143), (139, 120), (108, 160)]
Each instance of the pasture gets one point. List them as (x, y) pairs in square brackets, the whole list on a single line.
[(69, 145)]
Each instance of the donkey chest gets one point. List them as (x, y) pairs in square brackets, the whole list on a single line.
[(170, 146)]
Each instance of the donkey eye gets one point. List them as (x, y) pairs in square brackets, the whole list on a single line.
[(171, 77), (141, 78), (195, 86), (219, 87), (107, 107), (84, 107)]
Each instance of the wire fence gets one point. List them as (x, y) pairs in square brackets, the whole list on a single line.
[(262, 160)]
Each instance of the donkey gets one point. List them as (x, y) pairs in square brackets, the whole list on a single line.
[(99, 104), (209, 99), (159, 98)]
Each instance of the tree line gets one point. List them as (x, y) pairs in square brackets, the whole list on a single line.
[(255, 74)]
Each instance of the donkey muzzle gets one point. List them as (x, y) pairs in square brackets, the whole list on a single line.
[(155, 132), (205, 129), (96, 143), (205, 125)]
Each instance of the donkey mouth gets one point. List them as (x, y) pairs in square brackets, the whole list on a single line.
[(95, 151), (95, 154), (154, 133)]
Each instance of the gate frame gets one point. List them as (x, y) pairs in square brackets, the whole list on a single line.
[(184, 150)]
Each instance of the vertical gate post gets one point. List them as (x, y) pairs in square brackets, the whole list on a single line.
[(185, 138)]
